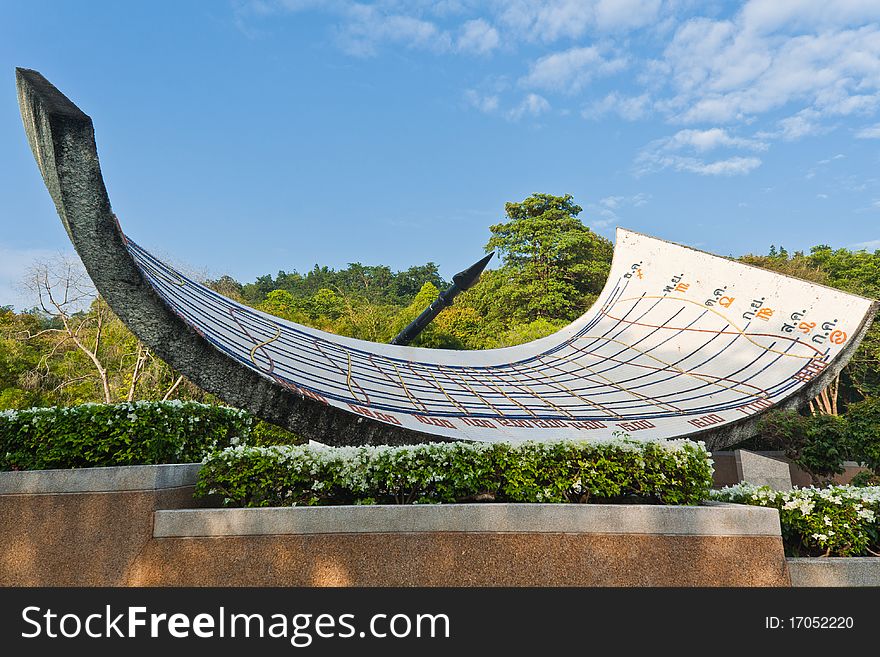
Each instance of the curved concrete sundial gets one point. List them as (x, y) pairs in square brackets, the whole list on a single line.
[(680, 343)]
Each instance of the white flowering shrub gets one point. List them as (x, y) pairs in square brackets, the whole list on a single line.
[(619, 469), (839, 521), (117, 434)]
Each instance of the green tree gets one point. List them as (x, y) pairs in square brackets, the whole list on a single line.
[(554, 266), (327, 303), (279, 303), (18, 360), (526, 332), (431, 336)]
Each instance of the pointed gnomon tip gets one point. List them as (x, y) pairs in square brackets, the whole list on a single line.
[(467, 278)]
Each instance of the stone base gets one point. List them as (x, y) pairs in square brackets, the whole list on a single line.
[(835, 571), (145, 535), (729, 472)]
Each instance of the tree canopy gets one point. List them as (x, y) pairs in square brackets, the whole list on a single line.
[(554, 266)]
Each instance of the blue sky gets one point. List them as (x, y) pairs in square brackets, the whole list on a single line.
[(254, 136)]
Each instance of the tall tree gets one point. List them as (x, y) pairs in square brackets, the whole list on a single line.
[(554, 266)]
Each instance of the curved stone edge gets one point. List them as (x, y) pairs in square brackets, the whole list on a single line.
[(62, 139), (709, 520), (100, 480), (834, 571)]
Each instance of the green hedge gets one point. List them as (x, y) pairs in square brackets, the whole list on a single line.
[(618, 470), (840, 521), (117, 434)]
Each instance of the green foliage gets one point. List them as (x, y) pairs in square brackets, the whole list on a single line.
[(841, 521), (280, 303), (426, 296), (818, 444), (376, 284), (865, 478), (620, 470), (797, 265), (366, 321), (19, 359), (462, 327), (864, 432), (265, 433), (41, 365), (522, 333), (554, 266), (117, 434)]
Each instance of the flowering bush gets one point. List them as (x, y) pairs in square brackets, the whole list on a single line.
[(619, 469), (117, 434), (839, 521)]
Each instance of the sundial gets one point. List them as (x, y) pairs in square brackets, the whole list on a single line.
[(679, 344)]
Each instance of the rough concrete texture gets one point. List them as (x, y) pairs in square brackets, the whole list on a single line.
[(106, 539), (835, 571), (343, 396), (463, 559), (724, 469), (78, 539), (762, 470), (97, 480), (714, 520)]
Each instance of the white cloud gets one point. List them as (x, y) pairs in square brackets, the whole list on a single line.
[(570, 70), (611, 202), (551, 20), (651, 162), (706, 140), (361, 27), (630, 108), (609, 208), (625, 14), (485, 103), (731, 70), (733, 166), (547, 21), (870, 245), (532, 105), (770, 15), (603, 223), (807, 61), (295, 5), (683, 151), (870, 132), (806, 123), (367, 27), (477, 36), (802, 124), (812, 171)]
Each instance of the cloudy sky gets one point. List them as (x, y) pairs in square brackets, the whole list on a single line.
[(254, 136)]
